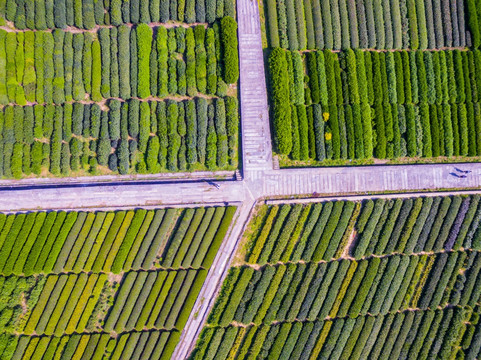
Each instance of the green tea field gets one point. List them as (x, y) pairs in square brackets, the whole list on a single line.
[(383, 278), (90, 285)]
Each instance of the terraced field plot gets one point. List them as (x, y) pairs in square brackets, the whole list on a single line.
[(94, 284), (123, 89), (391, 278)]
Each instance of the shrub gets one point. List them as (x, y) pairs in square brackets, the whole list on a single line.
[(190, 62), (231, 56), (144, 125), (313, 77), (144, 41), (134, 63), (114, 120), (173, 136), (303, 132), (232, 125), (114, 64), (280, 93), (162, 58), (191, 139), (473, 22), (200, 58), (105, 44)]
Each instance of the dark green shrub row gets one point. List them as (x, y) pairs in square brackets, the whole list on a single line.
[(86, 14), (60, 66), (405, 334), (474, 24), (279, 84), (229, 47), (383, 24), (130, 137), (337, 289)]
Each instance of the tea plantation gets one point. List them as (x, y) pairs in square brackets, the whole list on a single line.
[(99, 88), (386, 80), (383, 278), (103, 284)]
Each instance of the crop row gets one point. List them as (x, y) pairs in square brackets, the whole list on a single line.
[(367, 24), (161, 300), (86, 14), (13, 291), (133, 136), (144, 300), (323, 231), (41, 242), (447, 333), (373, 125), (395, 77), (474, 21), (138, 345), (348, 288), (60, 66), (393, 131), (418, 225), (65, 304)]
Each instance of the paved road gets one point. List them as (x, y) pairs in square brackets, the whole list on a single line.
[(256, 136), (367, 179), (213, 283), (124, 196)]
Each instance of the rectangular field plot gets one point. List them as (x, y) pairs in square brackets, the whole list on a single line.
[(392, 278), (378, 24), (361, 105), (86, 14), (121, 89), (115, 284), (363, 82)]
